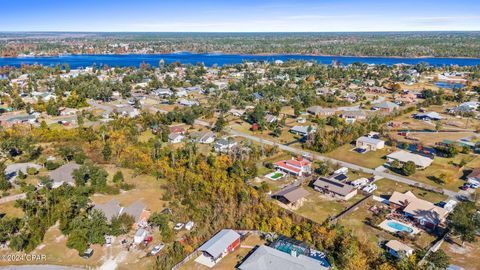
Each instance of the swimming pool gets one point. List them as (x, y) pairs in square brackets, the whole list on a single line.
[(399, 226)]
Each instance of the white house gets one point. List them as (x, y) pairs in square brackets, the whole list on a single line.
[(175, 138), (398, 249), (369, 143), (224, 145), (403, 157)]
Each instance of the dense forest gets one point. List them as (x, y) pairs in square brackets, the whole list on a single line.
[(395, 44)]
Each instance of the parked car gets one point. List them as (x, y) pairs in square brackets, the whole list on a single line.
[(157, 249), (474, 186), (88, 253), (465, 187), (178, 226), (370, 188), (189, 225)]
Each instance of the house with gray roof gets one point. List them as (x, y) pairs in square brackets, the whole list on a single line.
[(335, 188), (110, 209), (135, 210), (64, 174), (387, 106), (320, 111), (11, 171), (267, 258), (218, 246)]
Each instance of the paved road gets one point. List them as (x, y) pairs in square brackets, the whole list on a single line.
[(379, 173), (106, 108), (13, 198)]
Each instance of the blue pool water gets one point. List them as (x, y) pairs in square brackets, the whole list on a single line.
[(399, 227), (449, 85), (76, 61)]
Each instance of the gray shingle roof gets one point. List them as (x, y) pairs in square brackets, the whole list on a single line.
[(135, 210), (110, 209), (64, 173)]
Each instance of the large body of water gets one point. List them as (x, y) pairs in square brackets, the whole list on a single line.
[(76, 61)]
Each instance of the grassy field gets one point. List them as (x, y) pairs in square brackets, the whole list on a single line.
[(448, 167), (10, 210), (232, 259), (466, 256), (318, 209), (147, 189), (370, 159)]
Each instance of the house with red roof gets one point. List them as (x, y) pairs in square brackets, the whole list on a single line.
[(296, 166)]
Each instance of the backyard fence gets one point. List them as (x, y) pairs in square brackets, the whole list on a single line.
[(350, 209)]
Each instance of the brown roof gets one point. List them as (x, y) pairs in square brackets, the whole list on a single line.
[(398, 246), (474, 174), (292, 193), (418, 208)]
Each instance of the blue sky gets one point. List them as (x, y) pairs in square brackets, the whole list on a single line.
[(239, 16)]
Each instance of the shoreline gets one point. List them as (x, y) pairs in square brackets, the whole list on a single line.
[(240, 54)]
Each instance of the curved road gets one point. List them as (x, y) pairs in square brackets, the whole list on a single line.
[(451, 194)]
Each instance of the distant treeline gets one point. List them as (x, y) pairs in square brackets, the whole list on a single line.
[(400, 44)]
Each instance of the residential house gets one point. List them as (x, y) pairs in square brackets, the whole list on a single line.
[(163, 92), (320, 111), (137, 210), (223, 243), (109, 209), (369, 143), (428, 116), (386, 106), (270, 118), (127, 111), (204, 137), (303, 130), (11, 171), (64, 174), (335, 188), (224, 145), (474, 176), (188, 103), (402, 156), (268, 258), (352, 116), (177, 129), (297, 167), (174, 138), (421, 211), (398, 249), (292, 196), (237, 112)]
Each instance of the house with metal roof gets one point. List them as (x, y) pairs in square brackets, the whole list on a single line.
[(370, 143), (218, 246), (398, 249)]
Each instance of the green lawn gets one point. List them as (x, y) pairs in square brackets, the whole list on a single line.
[(370, 159), (448, 167), (387, 187)]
